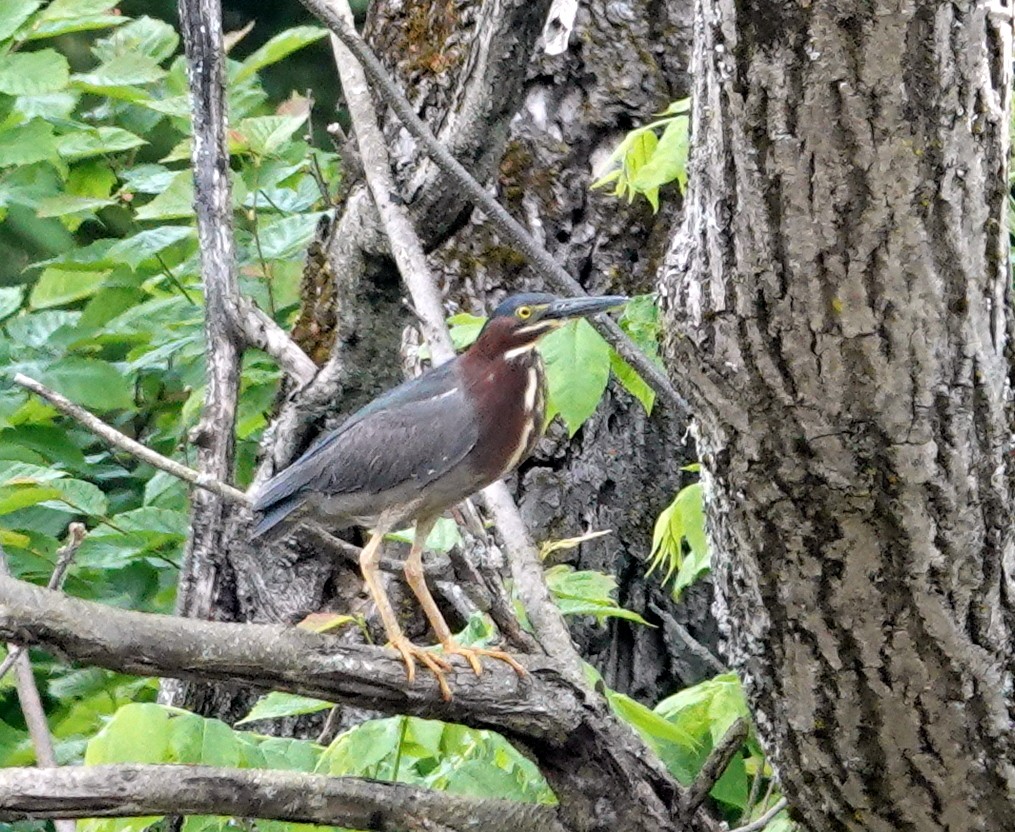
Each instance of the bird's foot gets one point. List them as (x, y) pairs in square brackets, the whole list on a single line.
[(472, 654), (435, 664)]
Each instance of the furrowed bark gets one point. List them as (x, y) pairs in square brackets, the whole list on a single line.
[(845, 270), (201, 24)]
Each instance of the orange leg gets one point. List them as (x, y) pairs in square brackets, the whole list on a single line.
[(369, 561), (414, 577)]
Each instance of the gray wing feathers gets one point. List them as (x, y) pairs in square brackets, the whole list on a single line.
[(416, 442)]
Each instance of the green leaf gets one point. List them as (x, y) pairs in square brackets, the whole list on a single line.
[(175, 202), (137, 733), (668, 161), (96, 141), (62, 17), (465, 329), (13, 13), (33, 73), (443, 537), (63, 205), (90, 382), (155, 39), (17, 497), (40, 329), (77, 496), (287, 237), (58, 287), (144, 245), (280, 46), (276, 705), (359, 750), (121, 77), (683, 519), (28, 143), (11, 298), (263, 135), (577, 371), (648, 723), (586, 593), (631, 381)]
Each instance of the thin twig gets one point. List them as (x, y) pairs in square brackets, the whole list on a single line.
[(765, 819), (406, 248), (28, 691), (64, 558), (752, 796), (506, 224), (407, 251), (714, 766), (131, 446), (329, 725)]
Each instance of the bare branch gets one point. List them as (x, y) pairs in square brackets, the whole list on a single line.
[(507, 225), (406, 248), (542, 706), (28, 692), (261, 331), (64, 557), (131, 446), (765, 819), (714, 766), (139, 790), (407, 251), (215, 435)]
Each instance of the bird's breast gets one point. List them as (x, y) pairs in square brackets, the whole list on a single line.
[(511, 410)]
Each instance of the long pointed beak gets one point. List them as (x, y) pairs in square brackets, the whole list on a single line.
[(582, 307)]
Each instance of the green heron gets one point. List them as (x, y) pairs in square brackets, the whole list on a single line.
[(423, 447)]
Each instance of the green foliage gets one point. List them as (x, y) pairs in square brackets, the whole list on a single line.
[(579, 361), (643, 162), (682, 521), (586, 593), (108, 310), (436, 755)]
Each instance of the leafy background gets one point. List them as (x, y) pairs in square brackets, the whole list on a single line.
[(100, 298)]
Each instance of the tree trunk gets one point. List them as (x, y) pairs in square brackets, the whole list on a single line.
[(839, 310)]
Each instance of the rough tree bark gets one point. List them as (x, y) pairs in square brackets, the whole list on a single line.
[(840, 306)]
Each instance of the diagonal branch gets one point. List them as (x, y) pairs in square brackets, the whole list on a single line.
[(261, 331), (506, 224), (140, 790), (407, 251)]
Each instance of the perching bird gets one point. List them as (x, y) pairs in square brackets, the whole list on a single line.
[(423, 447)]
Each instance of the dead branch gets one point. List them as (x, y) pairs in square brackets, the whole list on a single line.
[(28, 692), (201, 479), (541, 707), (598, 768), (261, 331), (507, 225), (140, 790), (64, 557)]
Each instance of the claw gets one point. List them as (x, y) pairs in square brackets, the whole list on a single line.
[(472, 654), (435, 664)]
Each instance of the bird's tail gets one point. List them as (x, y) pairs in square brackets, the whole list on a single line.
[(274, 514)]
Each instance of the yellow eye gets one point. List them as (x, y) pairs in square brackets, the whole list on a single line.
[(524, 312)]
